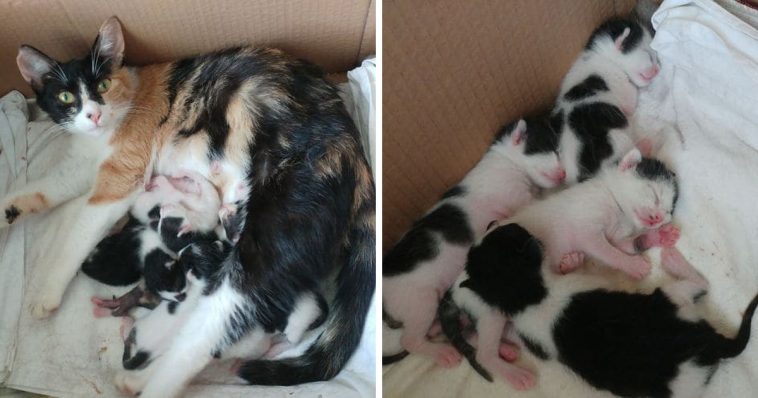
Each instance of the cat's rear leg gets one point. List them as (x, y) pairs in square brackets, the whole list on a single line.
[(490, 330), (690, 284), (416, 325)]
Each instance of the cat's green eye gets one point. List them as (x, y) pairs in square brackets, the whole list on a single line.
[(104, 86), (66, 97)]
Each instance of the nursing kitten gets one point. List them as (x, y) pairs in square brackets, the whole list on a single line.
[(274, 138), (632, 344), (599, 94), (427, 259), (152, 235)]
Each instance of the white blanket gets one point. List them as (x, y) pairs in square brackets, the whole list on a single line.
[(708, 89), (72, 354)]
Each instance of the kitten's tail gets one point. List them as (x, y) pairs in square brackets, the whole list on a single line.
[(344, 327), (730, 348), (450, 320), (392, 331)]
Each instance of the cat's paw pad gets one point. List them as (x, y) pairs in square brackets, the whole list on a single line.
[(668, 235), (520, 379), (10, 214), (509, 352), (570, 262), (448, 357)]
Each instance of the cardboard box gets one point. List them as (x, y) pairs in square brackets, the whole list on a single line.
[(336, 34), (455, 71)]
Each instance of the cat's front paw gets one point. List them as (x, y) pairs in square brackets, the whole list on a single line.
[(20, 206), (45, 306), (128, 383)]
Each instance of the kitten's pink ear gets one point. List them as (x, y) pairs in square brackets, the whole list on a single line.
[(630, 160), (620, 40), (110, 41), (518, 136), (33, 64)]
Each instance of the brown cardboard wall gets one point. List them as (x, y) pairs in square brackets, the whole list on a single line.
[(453, 72), (336, 34)]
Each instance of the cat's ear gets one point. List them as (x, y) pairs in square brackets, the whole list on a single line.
[(110, 41), (620, 40), (33, 64), (518, 135), (630, 160)]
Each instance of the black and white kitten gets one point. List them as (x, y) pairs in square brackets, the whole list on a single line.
[(633, 344), (428, 258), (598, 96)]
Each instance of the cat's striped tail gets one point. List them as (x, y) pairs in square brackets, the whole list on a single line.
[(347, 315)]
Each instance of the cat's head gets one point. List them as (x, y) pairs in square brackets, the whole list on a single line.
[(627, 44), (533, 145), (645, 189), (166, 278), (89, 95)]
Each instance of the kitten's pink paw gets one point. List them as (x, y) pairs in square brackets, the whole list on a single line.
[(668, 235), (44, 306), (127, 383), (638, 268), (520, 379), (645, 146), (509, 352), (448, 357), (570, 262)]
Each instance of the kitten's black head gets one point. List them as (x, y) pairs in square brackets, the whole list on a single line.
[(86, 95), (164, 276), (505, 269), (540, 137), (655, 170), (614, 27)]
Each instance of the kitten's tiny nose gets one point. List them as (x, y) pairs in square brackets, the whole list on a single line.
[(94, 116), (561, 175)]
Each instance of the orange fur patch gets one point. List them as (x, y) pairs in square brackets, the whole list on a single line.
[(33, 203)]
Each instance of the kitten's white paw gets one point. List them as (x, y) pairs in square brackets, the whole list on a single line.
[(128, 383), (44, 306)]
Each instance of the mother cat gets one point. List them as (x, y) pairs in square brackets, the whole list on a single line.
[(275, 138)]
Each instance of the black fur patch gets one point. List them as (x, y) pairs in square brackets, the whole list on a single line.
[(115, 260), (11, 214), (534, 347), (505, 269), (540, 136), (587, 88), (138, 361), (614, 27), (630, 344), (419, 244), (159, 277), (453, 192), (172, 305), (391, 322), (591, 123), (654, 169)]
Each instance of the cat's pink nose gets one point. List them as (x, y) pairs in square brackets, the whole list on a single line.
[(94, 116), (655, 218), (560, 176)]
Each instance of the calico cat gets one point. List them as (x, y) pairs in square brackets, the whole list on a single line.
[(598, 96), (603, 217), (242, 117), (633, 344), (426, 260)]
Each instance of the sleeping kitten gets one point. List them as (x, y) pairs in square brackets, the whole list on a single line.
[(599, 94), (630, 343), (426, 260), (596, 217)]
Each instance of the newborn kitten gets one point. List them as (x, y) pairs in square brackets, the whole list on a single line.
[(630, 343), (427, 259), (598, 95)]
